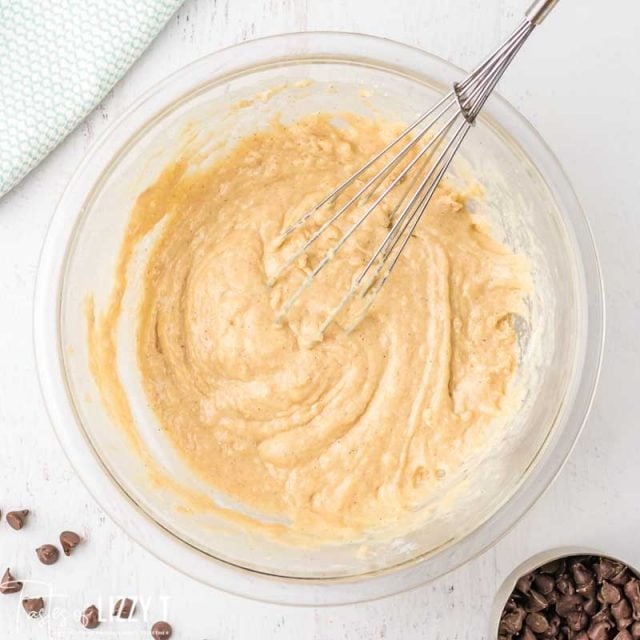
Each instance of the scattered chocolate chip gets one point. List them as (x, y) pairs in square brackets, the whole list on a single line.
[(48, 554), (124, 608), (9, 584), (69, 540), (528, 634), (90, 618), (33, 607), (16, 519), (161, 631), (635, 631)]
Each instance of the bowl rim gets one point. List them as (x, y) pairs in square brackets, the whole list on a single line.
[(104, 487)]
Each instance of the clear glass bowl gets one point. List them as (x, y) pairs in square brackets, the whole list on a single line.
[(532, 207)]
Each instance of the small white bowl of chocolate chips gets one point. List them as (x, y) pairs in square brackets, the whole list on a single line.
[(569, 595)]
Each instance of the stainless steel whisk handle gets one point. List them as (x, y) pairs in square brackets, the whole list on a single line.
[(475, 89), (539, 10), (442, 129)]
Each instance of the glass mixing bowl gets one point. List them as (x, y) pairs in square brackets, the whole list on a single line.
[(531, 206)]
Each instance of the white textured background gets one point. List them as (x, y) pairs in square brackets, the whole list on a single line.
[(578, 81)]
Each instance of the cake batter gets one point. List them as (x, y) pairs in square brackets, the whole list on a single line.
[(336, 436)]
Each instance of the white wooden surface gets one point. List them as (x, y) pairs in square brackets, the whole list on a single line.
[(578, 81)]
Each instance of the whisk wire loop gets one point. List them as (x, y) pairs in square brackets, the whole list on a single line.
[(433, 140)]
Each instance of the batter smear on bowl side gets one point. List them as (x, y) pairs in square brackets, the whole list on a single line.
[(338, 436)]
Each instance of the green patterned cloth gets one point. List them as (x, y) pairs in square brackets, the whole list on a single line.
[(58, 59)]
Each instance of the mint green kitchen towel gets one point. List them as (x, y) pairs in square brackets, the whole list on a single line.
[(58, 59)]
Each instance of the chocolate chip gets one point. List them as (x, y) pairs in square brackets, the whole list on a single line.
[(588, 591), (603, 615), (48, 554), (577, 620), (69, 540), (621, 610), (161, 631), (632, 591), (632, 588), (536, 602), (537, 622), (581, 575), (564, 585), (33, 607), (605, 569), (599, 631), (16, 519), (9, 584), (609, 593), (512, 622), (577, 598), (622, 578), (554, 626), (524, 583), (124, 608), (90, 618), (568, 604), (544, 583), (551, 567), (590, 606)]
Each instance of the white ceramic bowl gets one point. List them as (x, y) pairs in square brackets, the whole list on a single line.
[(533, 208), (531, 564)]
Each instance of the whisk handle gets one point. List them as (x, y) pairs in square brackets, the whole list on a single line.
[(539, 10)]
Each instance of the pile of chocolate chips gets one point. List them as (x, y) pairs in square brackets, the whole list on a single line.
[(574, 598)]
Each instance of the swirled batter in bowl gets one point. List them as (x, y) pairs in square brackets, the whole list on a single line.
[(338, 436)]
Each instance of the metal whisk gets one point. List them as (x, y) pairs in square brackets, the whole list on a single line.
[(433, 138)]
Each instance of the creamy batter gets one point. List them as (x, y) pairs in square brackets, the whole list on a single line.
[(335, 436)]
